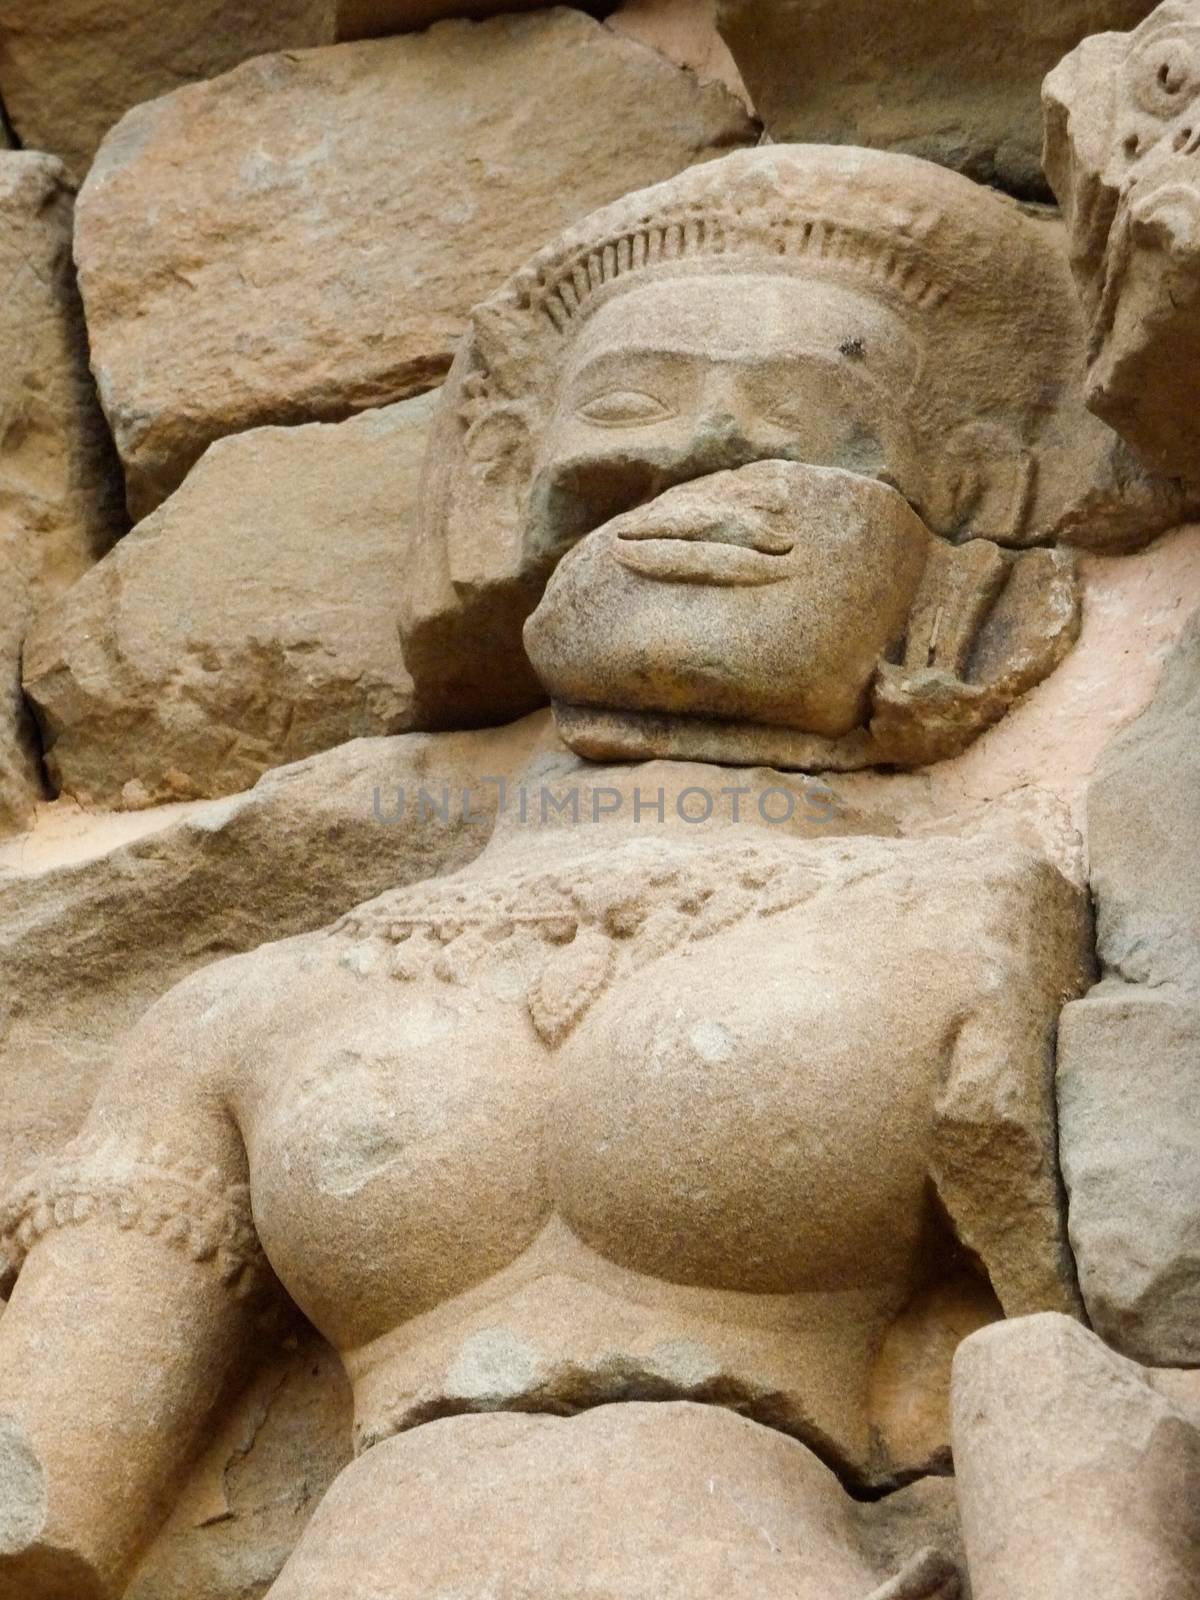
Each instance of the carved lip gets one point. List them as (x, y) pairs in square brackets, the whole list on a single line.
[(737, 551), (699, 561)]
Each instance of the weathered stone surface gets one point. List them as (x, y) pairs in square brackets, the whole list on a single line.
[(849, 634), (955, 83), (685, 31), (1078, 1472), (1122, 134), (59, 484), (249, 622), (101, 917), (68, 71), (20, 776), (1144, 828), (1129, 1114), (251, 250), (591, 1267), (1129, 1054), (619, 1494), (365, 19), (261, 1478), (845, 309)]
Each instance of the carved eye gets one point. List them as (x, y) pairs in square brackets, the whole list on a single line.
[(624, 407), (1166, 76), (787, 414)]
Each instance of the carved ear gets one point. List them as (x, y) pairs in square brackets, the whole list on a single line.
[(1032, 625), (488, 497), (985, 485), (987, 625)]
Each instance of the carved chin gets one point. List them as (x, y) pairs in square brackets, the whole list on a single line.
[(791, 616), (749, 601)]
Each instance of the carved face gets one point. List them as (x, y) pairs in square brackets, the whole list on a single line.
[(683, 378), (835, 311), (1123, 155), (728, 491), (1158, 114)]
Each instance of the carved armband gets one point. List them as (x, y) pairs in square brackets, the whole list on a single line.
[(188, 1206)]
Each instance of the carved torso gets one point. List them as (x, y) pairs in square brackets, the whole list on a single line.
[(656, 1118)]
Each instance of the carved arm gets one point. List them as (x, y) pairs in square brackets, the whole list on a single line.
[(140, 1287)]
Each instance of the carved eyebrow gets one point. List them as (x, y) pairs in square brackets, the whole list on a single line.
[(618, 360)]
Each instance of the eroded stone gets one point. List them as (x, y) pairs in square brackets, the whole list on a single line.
[(838, 309), (1076, 1473), (842, 625), (60, 503), (685, 31), (249, 622), (588, 1270), (68, 72), (189, 883), (1129, 1054), (365, 19), (617, 1494), (20, 773)]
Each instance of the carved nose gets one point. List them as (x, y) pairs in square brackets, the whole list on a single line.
[(722, 439)]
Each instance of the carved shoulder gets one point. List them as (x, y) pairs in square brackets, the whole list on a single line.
[(159, 1154)]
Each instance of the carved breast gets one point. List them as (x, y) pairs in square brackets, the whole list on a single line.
[(718, 1068)]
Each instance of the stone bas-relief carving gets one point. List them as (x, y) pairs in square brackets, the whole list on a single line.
[(524, 1140), (696, 1151), (838, 309), (797, 617), (1122, 135)]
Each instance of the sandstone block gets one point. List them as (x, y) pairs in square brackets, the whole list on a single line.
[(670, 1500), (20, 778), (70, 70), (1129, 1116), (1076, 1474), (365, 19), (60, 496), (249, 622), (257, 249), (1129, 1054), (684, 31), (1144, 832), (956, 83)]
